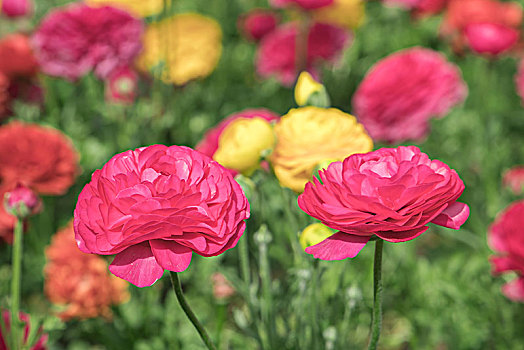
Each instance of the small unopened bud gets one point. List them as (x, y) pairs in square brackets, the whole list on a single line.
[(22, 202), (17, 8), (221, 287), (309, 92)]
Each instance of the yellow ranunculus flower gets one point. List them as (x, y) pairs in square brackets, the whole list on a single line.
[(139, 8), (305, 87), (344, 13), (241, 143), (308, 136), (184, 47), (314, 234)]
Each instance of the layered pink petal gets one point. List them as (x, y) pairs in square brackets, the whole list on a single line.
[(170, 255), (514, 290), (137, 265), (453, 216), (338, 246)]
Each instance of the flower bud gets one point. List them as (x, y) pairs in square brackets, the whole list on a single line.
[(22, 202), (309, 92), (313, 234), (242, 143), (222, 289), (121, 86), (17, 8), (255, 24)]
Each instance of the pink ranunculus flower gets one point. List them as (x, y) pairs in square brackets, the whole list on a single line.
[(506, 236), (391, 193), (305, 4), (490, 38), (255, 24), (154, 206), (209, 143), (17, 8), (75, 39), (276, 55), (403, 91), (514, 179)]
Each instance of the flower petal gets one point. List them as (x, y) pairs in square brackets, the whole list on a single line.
[(171, 255), (137, 265), (338, 246), (453, 216), (401, 236)]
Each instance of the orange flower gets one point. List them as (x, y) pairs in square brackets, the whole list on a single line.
[(80, 283)]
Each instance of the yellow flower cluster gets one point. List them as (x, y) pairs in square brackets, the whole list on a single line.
[(183, 47), (344, 13), (139, 8), (308, 136), (241, 144)]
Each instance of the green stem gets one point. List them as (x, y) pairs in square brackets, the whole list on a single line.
[(376, 323), (15, 283), (189, 313)]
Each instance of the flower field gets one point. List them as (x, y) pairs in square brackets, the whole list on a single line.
[(264, 174)]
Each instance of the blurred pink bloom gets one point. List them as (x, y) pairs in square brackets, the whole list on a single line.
[(496, 22), (305, 4), (255, 24), (276, 51), (154, 206), (41, 341), (221, 287), (392, 193), (17, 8), (490, 38), (429, 7), (209, 144), (22, 201), (506, 236), (514, 179), (75, 39), (402, 92), (122, 86)]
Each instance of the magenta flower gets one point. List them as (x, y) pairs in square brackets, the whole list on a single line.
[(490, 38), (22, 202), (122, 86), (305, 4), (209, 143), (75, 39), (17, 8), (154, 206), (255, 24), (514, 179), (391, 193), (403, 91), (276, 52), (506, 236)]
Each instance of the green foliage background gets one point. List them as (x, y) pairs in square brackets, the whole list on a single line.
[(439, 293)]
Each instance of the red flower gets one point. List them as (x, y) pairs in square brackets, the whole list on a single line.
[(276, 53), (506, 236), (24, 318), (494, 19), (37, 157), (122, 86), (391, 193), (305, 4), (75, 39), (255, 24), (22, 202), (79, 283), (5, 99), (16, 57), (403, 91), (209, 143), (514, 179), (17, 8), (154, 206)]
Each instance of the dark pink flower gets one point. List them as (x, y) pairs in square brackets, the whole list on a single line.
[(75, 39), (22, 202), (255, 24), (209, 143), (490, 38), (402, 92), (276, 52), (391, 193), (17, 8), (154, 206), (506, 236), (514, 179), (41, 342), (305, 4), (122, 86)]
